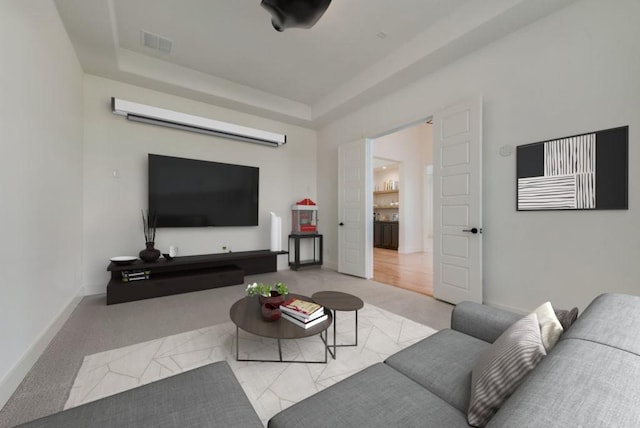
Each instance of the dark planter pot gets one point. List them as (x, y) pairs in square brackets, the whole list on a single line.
[(275, 298), (149, 254), (271, 312)]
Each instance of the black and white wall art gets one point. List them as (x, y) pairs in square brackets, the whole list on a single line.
[(582, 172)]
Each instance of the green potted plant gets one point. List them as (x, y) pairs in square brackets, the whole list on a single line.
[(272, 293)]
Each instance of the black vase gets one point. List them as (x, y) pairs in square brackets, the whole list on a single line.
[(149, 254)]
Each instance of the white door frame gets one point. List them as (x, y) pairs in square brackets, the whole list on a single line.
[(427, 209)]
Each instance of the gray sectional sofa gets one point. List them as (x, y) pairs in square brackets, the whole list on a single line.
[(591, 378), (209, 396)]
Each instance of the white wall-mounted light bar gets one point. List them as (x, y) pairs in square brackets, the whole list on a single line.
[(187, 122)]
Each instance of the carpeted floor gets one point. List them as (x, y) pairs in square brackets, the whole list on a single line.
[(270, 387), (94, 327)]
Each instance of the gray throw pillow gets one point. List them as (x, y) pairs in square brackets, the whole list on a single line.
[(503, 367), (566, 317)]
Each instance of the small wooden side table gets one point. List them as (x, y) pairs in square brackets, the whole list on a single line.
[(338, 301)]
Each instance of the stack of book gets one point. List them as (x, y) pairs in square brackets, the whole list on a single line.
[(135, 275), (302, 313)]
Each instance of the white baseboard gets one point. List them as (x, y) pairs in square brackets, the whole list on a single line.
[(12, 380), (410, 250)]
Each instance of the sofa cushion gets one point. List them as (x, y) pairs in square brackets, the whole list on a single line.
[(442, 363), (611, 319), (500, 370), (204, 397), (481, 321), (378, 396), (579, 384)]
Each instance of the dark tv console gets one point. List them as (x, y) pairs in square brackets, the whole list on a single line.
[(189, 273)]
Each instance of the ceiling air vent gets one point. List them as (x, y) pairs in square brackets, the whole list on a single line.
[(156, 42)]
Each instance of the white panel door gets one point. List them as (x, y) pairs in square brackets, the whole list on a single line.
[(355, 216), (457, 246)]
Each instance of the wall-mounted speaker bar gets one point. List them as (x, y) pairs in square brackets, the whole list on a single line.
[(187, 122)]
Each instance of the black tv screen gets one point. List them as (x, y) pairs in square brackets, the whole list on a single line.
[(196, 193)]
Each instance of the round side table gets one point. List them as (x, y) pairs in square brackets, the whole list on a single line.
[(338, 301)]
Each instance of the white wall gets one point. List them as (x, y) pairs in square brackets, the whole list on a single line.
[(407, 146), (112, 220), (572, 72), (40, 183)]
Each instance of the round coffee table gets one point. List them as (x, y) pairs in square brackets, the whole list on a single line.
[(246, 315), (338, 301)]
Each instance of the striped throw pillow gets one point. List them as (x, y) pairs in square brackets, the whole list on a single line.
[(503, 367)]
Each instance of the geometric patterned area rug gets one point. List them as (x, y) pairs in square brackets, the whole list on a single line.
[(270, 387)]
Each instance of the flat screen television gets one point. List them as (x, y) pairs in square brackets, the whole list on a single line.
[(196, 193)]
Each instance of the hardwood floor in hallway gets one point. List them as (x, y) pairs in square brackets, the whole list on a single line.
[(409, 271)]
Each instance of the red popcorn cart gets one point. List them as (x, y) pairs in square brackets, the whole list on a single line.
[(304, 217)]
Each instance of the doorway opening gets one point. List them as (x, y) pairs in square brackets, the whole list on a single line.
[(402, 206), (457, 202)]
